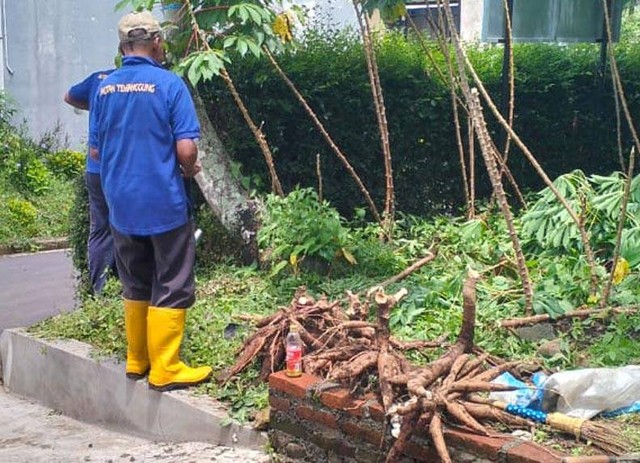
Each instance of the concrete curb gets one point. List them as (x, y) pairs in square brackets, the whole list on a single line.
[(63, 376), (37, 245)]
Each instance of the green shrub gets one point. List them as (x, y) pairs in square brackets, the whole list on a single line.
[(34, 177), (22, 216), (563, 112), (21, 163), (66, 163), (300, 226), (78, 233), (546, 225), (34, 203)]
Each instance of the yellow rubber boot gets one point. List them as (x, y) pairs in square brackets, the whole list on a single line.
[(165, 328), (135, 323)]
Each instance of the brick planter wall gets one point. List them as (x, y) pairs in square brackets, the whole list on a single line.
[(312, 420)]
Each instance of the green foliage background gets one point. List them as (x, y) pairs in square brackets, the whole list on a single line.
[(35, 183), (565, 113)]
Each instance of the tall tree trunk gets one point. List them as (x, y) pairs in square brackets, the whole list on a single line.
[(224, 194)]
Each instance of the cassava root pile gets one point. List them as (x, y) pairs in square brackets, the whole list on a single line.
[(343, 347)]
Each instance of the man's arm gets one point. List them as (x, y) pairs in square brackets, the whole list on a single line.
[(76, 103), (188, 157)]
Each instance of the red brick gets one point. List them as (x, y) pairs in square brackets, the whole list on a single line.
[(278, 403), (336, 398), (317, 416), (371, 435), (475, 444), (354, 407), (376, 410), (296, 387), (490, 447), (530, 452), (360, 406)]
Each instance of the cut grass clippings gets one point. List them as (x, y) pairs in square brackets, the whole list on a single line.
[(229, 297), (217, 325)]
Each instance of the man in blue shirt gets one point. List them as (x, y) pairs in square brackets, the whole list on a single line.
[(143, 129), (100, 241)]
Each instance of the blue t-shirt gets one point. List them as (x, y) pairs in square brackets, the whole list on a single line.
[(85, 91), (137, 116)]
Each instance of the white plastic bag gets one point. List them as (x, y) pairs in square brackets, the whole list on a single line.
[(587, 392)]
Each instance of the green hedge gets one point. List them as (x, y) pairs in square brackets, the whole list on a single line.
[(35, 188), (564, 113)]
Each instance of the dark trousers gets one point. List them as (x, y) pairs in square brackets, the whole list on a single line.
[(100, 242), (158, 268)]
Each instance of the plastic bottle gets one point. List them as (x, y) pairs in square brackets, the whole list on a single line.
[(293, 348)]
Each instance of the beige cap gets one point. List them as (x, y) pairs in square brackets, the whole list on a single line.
[(137, 21)]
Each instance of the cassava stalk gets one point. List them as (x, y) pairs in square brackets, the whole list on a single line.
[(314, 118), (620, 96), (508, 43), (455, 100), (525, 150), (319, 175), (255, 130), (378, 102), (475, 113), (580, 313)]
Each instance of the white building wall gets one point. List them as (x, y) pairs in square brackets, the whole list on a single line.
[(339, 11), (2, 44), (51, 45), (471, 20)]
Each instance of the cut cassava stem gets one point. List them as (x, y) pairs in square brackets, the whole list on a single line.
[(580, 313), (409, 270)]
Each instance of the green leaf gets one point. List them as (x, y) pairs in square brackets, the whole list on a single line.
[(276, 269), (193, 73), (348, 256), (255, 13), (242, 47), (255, 49)]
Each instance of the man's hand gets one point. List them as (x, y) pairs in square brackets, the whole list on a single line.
[(193, 171), (95, 155), (77, 104)]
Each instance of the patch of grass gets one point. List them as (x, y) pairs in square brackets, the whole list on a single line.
[(98, 322), (228, 296), (213, 334), (631, 429)]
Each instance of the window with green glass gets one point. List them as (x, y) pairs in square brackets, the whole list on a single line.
[(551, 20)]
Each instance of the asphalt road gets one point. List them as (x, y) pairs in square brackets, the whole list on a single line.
[(34, 287)]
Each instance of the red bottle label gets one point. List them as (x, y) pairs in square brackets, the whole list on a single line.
[(294, 361)]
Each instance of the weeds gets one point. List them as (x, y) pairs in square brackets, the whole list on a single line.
[(229, 295)]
